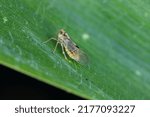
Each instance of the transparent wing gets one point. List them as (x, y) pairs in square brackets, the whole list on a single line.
[(83, 58)]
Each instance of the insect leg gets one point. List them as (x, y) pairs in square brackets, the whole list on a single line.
[(55, 46), (49, 40), (63, 51)]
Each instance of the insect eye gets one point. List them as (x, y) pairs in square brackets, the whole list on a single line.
[(64, 34), (61, 32)]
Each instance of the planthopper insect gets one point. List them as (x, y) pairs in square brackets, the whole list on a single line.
[(69, 47)]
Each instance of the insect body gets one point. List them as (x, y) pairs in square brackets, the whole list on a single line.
[(69, 47)]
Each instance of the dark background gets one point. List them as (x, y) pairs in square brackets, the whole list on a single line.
[(17, 86)]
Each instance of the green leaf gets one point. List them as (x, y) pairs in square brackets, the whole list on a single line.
[(114, 34)]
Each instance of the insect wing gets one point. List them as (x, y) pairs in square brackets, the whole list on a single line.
[(75, 53), (83, 58), (71, 46)]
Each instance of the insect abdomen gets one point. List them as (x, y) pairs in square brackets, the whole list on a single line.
[(73, 54)]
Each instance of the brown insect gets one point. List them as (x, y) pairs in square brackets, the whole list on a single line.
[(69, 47)]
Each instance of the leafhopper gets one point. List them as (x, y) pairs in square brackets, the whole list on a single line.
[(69, 47)]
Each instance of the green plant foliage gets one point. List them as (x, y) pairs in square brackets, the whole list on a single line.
[(114, 34)]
